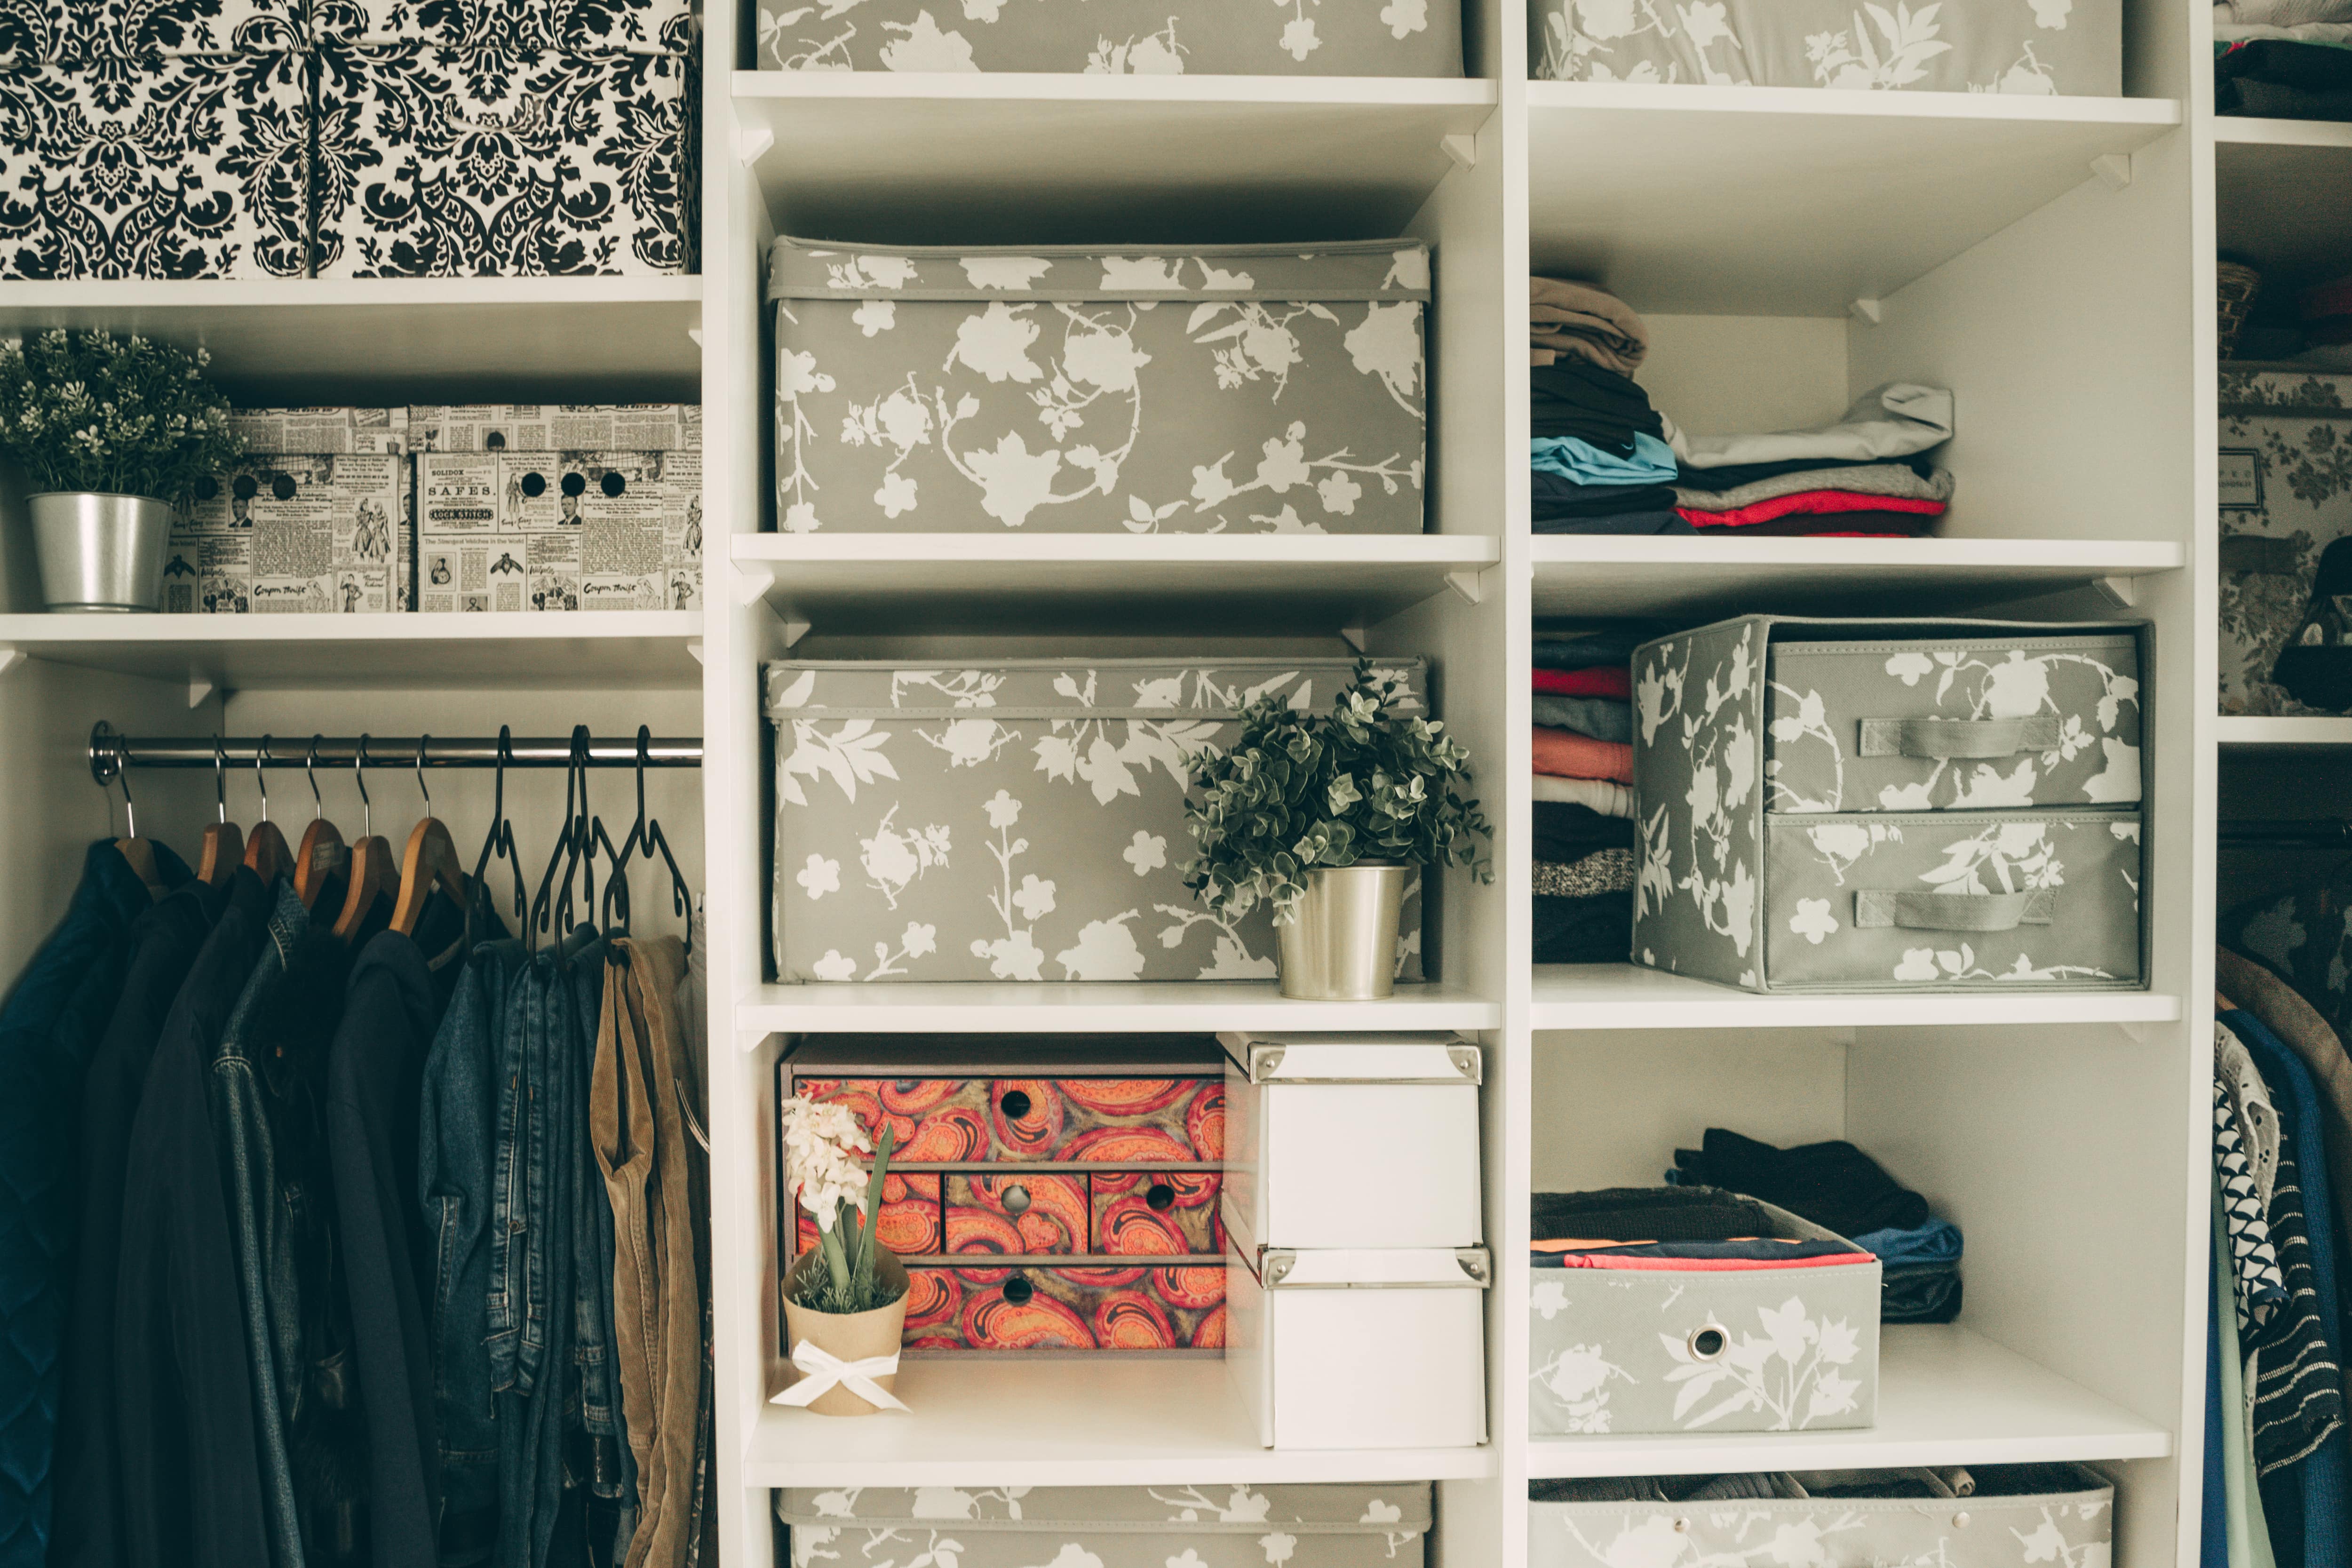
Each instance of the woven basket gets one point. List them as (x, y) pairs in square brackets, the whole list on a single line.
[(2234, 287)]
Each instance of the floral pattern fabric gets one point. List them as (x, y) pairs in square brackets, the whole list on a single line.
[(1208, 391), (2285, 435), (2058, 1530), (1020, 821), (1115, 37), (2034, 47), (1200, 1526)]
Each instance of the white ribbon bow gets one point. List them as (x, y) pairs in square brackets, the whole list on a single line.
[(821, 1370)]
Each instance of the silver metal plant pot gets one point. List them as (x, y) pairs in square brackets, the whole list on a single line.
[(1341, 944), (101, 552)]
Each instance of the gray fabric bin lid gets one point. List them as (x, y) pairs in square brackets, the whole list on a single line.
[(1348, 269), (1397, 1509), (1149, 689)]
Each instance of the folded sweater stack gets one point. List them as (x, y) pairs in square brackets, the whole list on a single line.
[(1598, 449), (2283, 59), (1866, 475), (1583, 802)]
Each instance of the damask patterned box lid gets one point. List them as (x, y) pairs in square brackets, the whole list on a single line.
[(634, 26), (1399, 1508), (1350, 269), (121, 30), (1100, 688)]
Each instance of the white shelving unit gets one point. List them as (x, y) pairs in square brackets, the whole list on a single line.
[(2049, 259)]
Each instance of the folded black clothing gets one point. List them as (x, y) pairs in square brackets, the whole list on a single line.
[(1834, 1184), (1623, 523), (1922, 1293), (1562, 644), (1566, 831), (1594, 930), (2249, 97), (2314, 67), (1576, 380), (1647, 1214), (1878, 1484), (1565, 498), (1731, 479)]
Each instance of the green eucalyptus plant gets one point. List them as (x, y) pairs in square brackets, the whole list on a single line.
[(1301, 790), (89, 411)]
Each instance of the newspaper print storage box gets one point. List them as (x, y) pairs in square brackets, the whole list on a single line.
[(1219, 389), (2018, 1516), (2286, 496), (1048, 1195), (1020, 820), (1864, 805), (1692, 1350), (1202, 1526)]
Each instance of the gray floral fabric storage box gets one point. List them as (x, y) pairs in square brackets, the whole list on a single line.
[(1236, 389), (2286, 496), (1117, 38), (1669, 1350), (2016, 1515), (1109, 1527), (1862, 806), (2034, 47), (1018, 820)]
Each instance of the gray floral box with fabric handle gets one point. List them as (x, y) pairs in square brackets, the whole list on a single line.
[(1219, 389), (1860, 806), (1671, 1349), (1018, 820), (2010, 1516), (1198, 1526)]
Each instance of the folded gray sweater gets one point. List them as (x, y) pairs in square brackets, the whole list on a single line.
[(1892, 480)]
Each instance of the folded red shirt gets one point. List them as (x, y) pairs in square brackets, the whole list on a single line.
[(1807, 503), (1598, 680), (1826, 525)]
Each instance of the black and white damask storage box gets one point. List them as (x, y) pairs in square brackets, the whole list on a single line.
[(1986, 1516), (1217, 389), (1017, 820), (1871, 806), (1326, 1526)]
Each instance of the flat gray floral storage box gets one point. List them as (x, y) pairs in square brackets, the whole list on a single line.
[(2001, 1516), (1216, 389), (1327, 1526), (1017, 820), (1862, 806)]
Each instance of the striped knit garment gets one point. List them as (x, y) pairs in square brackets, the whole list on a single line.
[(2291, 1368), (2253, 1261)]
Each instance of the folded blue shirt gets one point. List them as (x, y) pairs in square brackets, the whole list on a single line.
[(1938, 1241), (1653, 462)]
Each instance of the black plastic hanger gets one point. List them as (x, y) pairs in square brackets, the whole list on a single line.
[(575, 849), (646, 835), (500, 841)]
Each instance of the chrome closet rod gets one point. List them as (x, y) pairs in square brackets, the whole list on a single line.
[(108, 750)]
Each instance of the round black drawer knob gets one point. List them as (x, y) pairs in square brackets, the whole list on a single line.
[(1016, 1103), (1018, 1289), (1161, 1196)]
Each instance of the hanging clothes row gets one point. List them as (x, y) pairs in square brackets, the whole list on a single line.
[(358, 1228)]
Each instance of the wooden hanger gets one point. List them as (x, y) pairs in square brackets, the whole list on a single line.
[(322, 851), (430, 863), (373, 870), (224, 842), (266, 854), (140, 853)]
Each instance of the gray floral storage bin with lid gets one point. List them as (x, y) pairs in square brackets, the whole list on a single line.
[(1017, 820), (1864, 805), (1984, 1516), (1206, 1526), (1219, 389)]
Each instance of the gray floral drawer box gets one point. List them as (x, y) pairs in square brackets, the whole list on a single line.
[(1018, 820), (1222, 389), (1207, 1526), (1859, 805), (2032, 46), (1985, 1516)]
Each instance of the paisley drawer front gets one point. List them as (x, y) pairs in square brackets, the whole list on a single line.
[(952, 1308), (911, 1216), (949, 1120), (1967, 724), (1157, 1213), (1017, 1213)]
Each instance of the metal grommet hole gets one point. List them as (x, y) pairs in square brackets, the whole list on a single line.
[(574, 485), (1015, 1104), (1707, 1342), (244, 487), (1018, 1289), (1161, 1196), (534, 485), (1017, 1200), (283, 486), (613, 484)]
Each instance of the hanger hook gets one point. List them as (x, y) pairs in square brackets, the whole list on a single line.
[(261, 779), (359, 776), (311, 771), (122, 777), (421, 742), (220, 778)]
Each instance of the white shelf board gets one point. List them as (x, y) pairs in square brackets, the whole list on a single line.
[(1192, 1006), (1032, 159), (1945, 1396), (1629, 997), (592, 648), (850, 582), (1792, 201), (439, 340), (2278, 198), (1085, 1420), (1591, 575), (2284, 733)]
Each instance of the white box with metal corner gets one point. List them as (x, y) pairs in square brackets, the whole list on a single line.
[(1353, 1141)]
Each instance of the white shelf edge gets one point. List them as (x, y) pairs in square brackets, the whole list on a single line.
[(1458, 551), (319, 292), (1799, 100), (1091, 1007), (1571, 997), (2256, 132), (2240, 730), (33, 632), (752, 87), (2123, 558)]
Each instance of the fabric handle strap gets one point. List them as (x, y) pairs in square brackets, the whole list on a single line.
[(1944, 738), (1955, 911)]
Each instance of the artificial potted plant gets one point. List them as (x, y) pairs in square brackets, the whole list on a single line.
[(1319, 815), (845, 1299), (114, 432)]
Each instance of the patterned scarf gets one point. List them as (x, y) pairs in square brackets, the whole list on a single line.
[(2261, 1287)]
